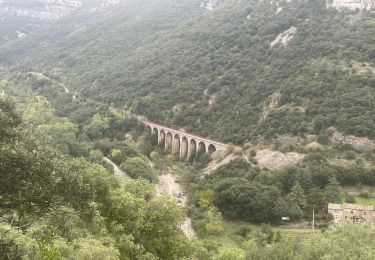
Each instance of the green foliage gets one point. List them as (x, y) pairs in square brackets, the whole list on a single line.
[(215, 222), (137, 168), (97, 127), (321, 81), (350, 199), (230, 253), (9, 119), (323, 138), (243, 192), (240, 198), (340, 242), (297, 196), (349, 155), (38, 110), (56, 207), (333, 191)]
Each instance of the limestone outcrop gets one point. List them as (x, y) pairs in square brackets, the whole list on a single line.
[(351, 4), (210, 5)]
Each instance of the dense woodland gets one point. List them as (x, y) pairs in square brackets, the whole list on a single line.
[(60, 201), (54, 206), (168, 70), (68, 93)]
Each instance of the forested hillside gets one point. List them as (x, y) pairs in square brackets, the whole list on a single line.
[(223, 73), (290, 82)]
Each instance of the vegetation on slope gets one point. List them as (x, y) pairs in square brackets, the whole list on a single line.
[(168, 67), (56, 207)]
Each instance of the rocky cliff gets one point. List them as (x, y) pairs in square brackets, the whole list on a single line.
[(351, 4), (42, 9), (19, 18), (211, 4)]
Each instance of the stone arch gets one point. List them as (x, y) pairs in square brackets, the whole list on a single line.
[(161, 137), (192, 151), (168, 142), (149, 129), (184, 147), (211, 149), (154, 136), (201, 148), (176, 145)]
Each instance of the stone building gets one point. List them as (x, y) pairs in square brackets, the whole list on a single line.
[(352, 212)]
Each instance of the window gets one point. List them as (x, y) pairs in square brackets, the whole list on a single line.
[(351, 212), (364, 213)]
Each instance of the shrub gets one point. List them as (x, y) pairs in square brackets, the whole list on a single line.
[(247, 146), (253, 153), (350, 199), (323, 138), (349, 155)]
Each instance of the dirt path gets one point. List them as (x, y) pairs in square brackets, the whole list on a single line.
[(116, 170), (41, 75), (167, 184)]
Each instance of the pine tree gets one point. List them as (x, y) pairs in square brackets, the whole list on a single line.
[(297, 195), (333, 191)]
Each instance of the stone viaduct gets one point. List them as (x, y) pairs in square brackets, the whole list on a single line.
[(183, 144)]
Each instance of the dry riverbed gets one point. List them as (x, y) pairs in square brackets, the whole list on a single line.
[(116, 170), (167, 184)]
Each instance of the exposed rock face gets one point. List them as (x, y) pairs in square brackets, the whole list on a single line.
[(19, 17), (285, 36), (359, 143), (210, 5), (49, 10), (351, 4), (276, 160)]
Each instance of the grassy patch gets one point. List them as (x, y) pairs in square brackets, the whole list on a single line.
[(365, 201), (235, 233), (358, 188)]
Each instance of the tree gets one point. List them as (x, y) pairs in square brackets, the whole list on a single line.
[(286, 208), (136, 168), (229, 252), (38, 110), (297, 195), (350, 199), (97, 127), (9, 119), (215, 222), (333, 192), (205, 198)]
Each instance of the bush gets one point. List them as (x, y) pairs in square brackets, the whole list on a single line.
[(137, 168), (364, 194), (253, 153), (350, 199), (323, 138), (247, 146), (349, 155)]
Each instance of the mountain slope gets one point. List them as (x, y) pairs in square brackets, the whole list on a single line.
[(20, 18), (244, 70)]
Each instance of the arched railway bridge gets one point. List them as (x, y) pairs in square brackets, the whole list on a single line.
[(181, 143)]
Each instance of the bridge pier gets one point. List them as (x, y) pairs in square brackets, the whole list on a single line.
[(176, 145), (184, 147), (161, 137)]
